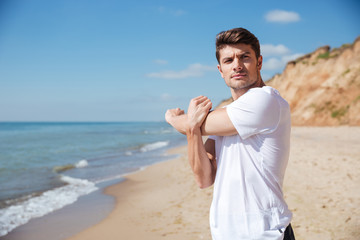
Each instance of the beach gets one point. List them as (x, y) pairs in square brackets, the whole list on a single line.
[(320, 187), (160, 202)]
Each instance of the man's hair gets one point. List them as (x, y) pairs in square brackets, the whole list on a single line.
[(235, 36)]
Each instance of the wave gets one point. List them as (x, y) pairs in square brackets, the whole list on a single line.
[(81, 164), (49, 201), (154, 146), (160, 131), (63, 168), (166, 131), (128, 153)]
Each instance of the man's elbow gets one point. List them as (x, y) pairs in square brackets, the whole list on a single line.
[(202, 184), (204, 179)]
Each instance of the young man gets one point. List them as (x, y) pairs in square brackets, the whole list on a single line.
[(247, 152)]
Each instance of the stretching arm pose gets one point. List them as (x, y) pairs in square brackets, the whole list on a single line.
[(196, 123)]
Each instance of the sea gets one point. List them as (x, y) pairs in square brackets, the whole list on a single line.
[(45, 166)]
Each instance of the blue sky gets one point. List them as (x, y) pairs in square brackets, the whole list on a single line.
[(108, 60)]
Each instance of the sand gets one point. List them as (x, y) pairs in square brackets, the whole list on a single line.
[(321, 188)]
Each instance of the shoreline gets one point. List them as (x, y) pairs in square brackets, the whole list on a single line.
[(33, 183), (80, 215), (163, 201), (69, 220), (151, 204)]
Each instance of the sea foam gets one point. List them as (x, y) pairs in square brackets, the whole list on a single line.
[(81, 163), (153, 146), (49, 201)]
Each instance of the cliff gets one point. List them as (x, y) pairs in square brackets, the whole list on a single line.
[(323, 87)]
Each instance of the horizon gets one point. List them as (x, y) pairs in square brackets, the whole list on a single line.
[(114, 61), (86, 122)]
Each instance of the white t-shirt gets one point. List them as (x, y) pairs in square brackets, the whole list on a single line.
[(248, 201)]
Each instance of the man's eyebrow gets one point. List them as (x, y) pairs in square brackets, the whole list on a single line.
[(247, 52), (241, 54), (225, 59)]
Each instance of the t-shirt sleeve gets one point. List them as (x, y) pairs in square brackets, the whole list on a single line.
[(254, 112)]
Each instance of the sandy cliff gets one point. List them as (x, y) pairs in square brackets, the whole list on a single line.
[(323, 87)]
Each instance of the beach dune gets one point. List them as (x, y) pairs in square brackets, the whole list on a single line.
[(321, 188)]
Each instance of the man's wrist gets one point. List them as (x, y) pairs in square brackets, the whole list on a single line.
[(193, 129)]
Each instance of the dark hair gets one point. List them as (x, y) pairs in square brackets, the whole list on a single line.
[(235, 36)]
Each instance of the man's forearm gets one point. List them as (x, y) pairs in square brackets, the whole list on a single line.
[(199, 161), (190, 124)]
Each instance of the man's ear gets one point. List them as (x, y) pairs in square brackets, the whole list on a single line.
[(260, 60), (220, 71)]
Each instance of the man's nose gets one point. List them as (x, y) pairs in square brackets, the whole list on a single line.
[(238, 65)]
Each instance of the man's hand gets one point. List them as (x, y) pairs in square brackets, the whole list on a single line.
[(171, 113), (198, 110)]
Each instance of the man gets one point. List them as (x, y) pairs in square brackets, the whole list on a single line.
[(247, 152)]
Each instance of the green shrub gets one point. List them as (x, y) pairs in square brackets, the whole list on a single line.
[(339, 112), (324, 55)]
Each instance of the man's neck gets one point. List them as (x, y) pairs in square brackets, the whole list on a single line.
[(236, 93)]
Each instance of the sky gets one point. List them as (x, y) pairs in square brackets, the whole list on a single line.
[(107, 60)]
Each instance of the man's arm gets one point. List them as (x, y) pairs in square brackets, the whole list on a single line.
[(216, 123), (201, 157), (200, 122)]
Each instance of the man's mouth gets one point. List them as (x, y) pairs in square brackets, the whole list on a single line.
[(238, 75)]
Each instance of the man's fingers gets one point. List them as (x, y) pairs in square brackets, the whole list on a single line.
[(198, 100), (209, 105), (198, 97), (174, 112), (206, 102), (202, 102)]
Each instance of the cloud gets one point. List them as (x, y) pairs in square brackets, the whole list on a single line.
[(276, 63), (178, 12), (276, 56), (174, 12), (292, 57), (167, 97), (193, 70), (272, 64), (160, 62), (282, 16), (164, 97), (265, 76), (274, 50)]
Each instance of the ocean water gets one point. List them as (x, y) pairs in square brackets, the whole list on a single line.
[(46, 166)]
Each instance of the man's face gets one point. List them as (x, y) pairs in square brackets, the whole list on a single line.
[(239, 66)]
